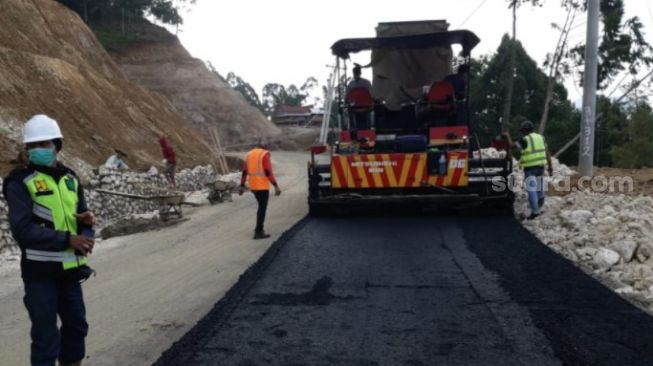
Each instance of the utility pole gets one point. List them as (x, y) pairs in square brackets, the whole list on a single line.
[(588, 121), (507, 107)]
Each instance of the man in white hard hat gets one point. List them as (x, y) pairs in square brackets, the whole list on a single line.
[(50, 221)]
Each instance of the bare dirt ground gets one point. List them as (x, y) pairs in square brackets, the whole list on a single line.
[(297, 137), (642, 180), (151, 288)]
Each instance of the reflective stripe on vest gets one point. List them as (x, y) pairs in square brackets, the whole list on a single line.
[(535, 153), (56, 205), (258, 181)]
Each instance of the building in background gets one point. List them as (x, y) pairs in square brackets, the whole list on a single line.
[(287, 115)]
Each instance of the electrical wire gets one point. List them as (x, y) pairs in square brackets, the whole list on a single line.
[(618, 85), (472, 13)]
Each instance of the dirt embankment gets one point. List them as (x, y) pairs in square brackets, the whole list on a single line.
[(631, 182), (156, 59), (51, 62)]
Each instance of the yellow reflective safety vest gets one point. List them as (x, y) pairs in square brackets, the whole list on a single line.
[(534, 155), (258, 181), (55, 206)]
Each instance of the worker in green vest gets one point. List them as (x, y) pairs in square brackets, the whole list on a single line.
[(47, 216), (535, 156)]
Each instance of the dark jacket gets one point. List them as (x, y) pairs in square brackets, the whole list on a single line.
[(27, 229)]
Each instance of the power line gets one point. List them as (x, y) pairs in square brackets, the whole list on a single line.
[(472, 14), (579, 25), (618, 85)]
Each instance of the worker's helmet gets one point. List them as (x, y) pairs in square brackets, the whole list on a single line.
[(41, 128), (526, 126)]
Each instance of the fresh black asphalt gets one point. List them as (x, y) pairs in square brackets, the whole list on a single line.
[(427, 290)]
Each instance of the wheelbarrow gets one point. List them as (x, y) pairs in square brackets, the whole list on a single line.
[(220, 190), (169, 203)]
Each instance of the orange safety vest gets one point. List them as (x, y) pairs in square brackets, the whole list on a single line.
[(258, 181)]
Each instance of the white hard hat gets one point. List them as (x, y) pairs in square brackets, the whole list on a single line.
[(41, 128)]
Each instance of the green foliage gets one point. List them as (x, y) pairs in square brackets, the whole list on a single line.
[(245, 89), (611, 130), (637, 150), (241, 86), (623, 45), (167, 11), (113, 39), (488, 83), (275, 95), (215, 71)]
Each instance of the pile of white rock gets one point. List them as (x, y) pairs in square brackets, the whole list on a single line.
[(7, 246), (108, 207), (608, 236)]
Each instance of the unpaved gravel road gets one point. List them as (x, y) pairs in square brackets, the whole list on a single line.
[(151, 288)]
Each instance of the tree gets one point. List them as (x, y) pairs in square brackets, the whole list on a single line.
[(553, 62), (510, 70), (637, 151), (611, 130), (166, 11), (275, 95), (488, 87), (623, 46), (246, 90)]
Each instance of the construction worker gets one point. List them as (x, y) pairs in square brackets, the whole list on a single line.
[(170, 159), (358, 81), (116, 161), (459, 81), (360, 119), (535, 156), (47, 212), (258, 168)]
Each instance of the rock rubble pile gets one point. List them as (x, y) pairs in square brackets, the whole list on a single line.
[(608, 235), (108, 208)]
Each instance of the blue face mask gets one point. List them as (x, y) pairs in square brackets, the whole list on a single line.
[(42, 156)]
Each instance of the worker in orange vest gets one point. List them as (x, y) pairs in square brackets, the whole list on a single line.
[(258, 168)]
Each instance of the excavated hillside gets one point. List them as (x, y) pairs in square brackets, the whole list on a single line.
[(156, 59), (51, 62)]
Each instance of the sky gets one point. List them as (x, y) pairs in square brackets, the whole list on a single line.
[(286, 41)]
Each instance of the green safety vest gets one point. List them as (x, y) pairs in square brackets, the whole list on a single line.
[(535, 153), (55, 206)]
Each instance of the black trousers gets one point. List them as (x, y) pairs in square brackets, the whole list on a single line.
[(262, 198), (44, 300)]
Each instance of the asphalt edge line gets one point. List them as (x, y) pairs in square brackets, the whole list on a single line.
[(224, 308)]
